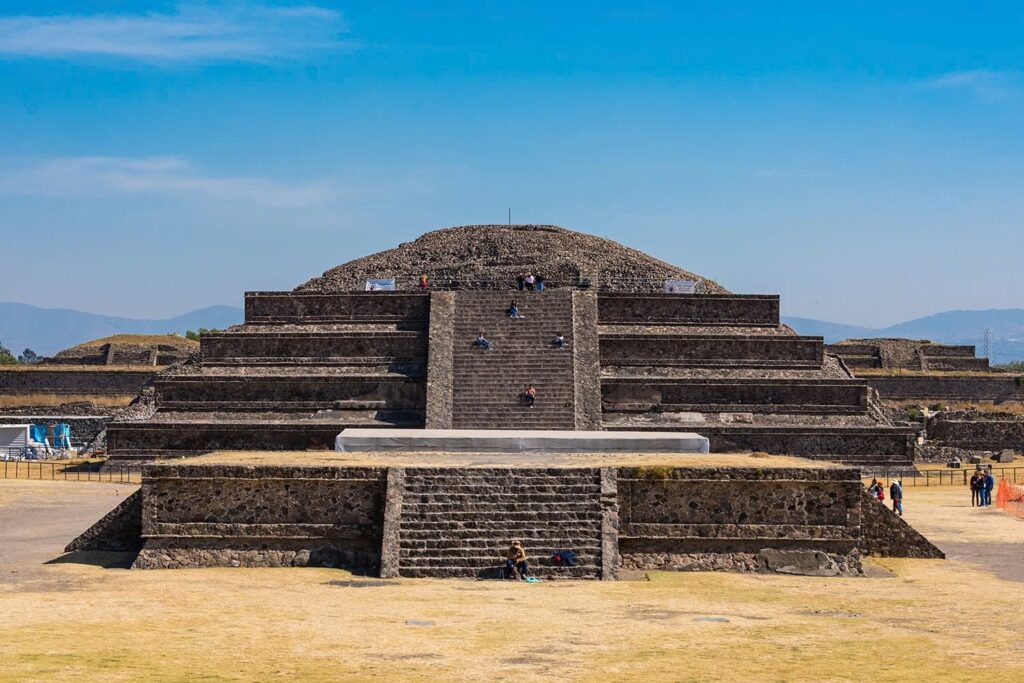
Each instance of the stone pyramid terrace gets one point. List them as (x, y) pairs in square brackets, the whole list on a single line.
[(309, 363)]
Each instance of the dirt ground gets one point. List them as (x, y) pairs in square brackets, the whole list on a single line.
[(82, 616)]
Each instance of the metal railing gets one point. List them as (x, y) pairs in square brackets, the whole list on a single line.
[(64, 470), (952, 477)]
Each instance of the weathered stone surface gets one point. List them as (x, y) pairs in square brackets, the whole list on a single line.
[(610, 560), (440, 363), (586, 361), (234, 515), (391, 542), (119, 530), (697, 519), (491, 256), (885, 534), (676, 309), (800, 562), (977, 430)]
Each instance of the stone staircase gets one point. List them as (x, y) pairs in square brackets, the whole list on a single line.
[(488, 383), (459, 522)]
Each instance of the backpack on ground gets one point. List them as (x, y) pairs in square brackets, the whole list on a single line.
[(565, 558)]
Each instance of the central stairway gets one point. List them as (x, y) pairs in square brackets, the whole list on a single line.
[(489, 383), (459, 522)]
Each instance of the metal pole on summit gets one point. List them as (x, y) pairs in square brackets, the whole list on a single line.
[(510, 216)]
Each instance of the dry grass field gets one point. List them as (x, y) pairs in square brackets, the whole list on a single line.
[(72, 617)]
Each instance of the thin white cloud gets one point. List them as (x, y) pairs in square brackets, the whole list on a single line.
[(157, 175), (984, 84), (192, 33)]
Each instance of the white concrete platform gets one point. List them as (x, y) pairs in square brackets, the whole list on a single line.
[(507, 441)]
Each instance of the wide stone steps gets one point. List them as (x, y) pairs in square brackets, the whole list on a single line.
[(460, 524), (463, 572), (456, 518), (470, 558), (445, 491), (427, 532), (495, 546), (489, 382)]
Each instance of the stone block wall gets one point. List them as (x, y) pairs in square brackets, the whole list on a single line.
[(376, 520), (947, 363), (946, 350), (314, 391), (949, 388), (688, 309), (43, 380), (120, 530), (858, 445), (699, 350), (739, 519), (886, 535), (772, 395), (224, 515), (985, 432), (196, 437), (282, 348), (586, 361), (441, 361), (295, 307)]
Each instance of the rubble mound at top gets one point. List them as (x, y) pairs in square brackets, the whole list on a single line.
[(492, 256)]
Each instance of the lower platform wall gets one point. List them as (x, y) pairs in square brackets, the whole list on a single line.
[(801, 521), (234, 515), (789, 520), (948, 388)]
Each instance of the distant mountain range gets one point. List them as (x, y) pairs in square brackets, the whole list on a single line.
[(49, 330), (948, 327)]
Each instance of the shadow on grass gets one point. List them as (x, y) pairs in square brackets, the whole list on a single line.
[(97, 558)]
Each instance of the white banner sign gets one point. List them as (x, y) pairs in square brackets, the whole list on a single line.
[(681, 286), (381, 285)]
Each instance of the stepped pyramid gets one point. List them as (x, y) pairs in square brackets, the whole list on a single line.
[(308, 363)]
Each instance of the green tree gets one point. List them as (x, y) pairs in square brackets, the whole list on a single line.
[(29, 356), (6, 357), (194, 334)]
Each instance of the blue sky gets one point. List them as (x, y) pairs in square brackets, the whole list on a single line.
[(865, 160)]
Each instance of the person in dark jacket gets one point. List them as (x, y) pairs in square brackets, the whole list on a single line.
[(896, 493), (977, 481)]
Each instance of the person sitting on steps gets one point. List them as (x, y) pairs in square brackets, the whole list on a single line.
[(516, 564), (513, 311), (528, 396), (560, 342), (482, 342)]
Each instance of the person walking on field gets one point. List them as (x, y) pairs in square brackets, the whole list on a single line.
[(977, 481), (896, 493)]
